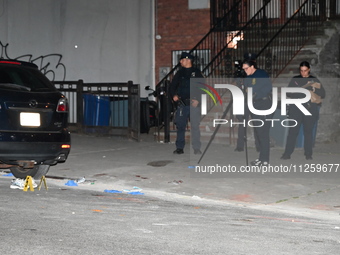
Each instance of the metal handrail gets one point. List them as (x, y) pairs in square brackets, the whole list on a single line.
[(211, 31)]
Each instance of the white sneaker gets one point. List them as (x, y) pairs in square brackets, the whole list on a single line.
[(17, 184), (255, 162), (20, 184), (259, 163)]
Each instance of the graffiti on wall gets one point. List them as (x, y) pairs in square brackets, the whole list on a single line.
[(49, 64)]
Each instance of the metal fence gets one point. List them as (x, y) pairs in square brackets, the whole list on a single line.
[(109, 108)]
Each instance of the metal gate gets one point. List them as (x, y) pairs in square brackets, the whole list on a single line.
[(109, 108)]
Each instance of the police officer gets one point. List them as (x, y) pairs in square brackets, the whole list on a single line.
[(188, 101), (259, 81), (308, 121), (241, 130)]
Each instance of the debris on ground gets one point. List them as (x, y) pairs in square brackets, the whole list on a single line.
[(196, 197), (141, 177), (10, 174), (112, 191), (176, 182), (71, 183), (81, 180), (133, 191)]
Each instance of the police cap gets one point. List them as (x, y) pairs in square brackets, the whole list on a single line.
[(187, 55)]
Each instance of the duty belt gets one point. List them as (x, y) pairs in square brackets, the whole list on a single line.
[(185, 102), (261, 99)]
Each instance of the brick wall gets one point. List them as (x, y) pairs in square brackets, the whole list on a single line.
[(179, 29)]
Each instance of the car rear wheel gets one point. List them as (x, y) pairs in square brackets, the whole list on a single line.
[(42, 171), (37, 171)]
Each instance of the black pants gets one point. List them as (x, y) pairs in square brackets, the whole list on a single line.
[(183, 115), (308, 123), (262, 128)]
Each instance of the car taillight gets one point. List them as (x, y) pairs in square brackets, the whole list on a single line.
[(10, 62), (62, 105), (65, 146)]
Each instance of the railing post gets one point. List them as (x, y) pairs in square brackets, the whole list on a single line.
[(323, 10), (332, 9), (80, 108), (131, 119), (166, 112), (133, 111)]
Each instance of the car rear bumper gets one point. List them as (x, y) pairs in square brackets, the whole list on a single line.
[(46, 148)]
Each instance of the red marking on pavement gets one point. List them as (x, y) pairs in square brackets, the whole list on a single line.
[(142, 177), (284, 219), (242, 197), (209, 194), (97, 175), (321, 207)]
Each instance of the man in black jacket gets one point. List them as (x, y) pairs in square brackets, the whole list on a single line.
[(187, 98)]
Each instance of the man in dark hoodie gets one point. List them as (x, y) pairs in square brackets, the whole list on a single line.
[(187, 98)]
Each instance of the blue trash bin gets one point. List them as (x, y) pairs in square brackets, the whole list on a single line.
[(119, 112), (96, 110)]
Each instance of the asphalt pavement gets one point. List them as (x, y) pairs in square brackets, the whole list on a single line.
[(149, 168)]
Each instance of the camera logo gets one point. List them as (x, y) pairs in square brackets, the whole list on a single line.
[(209, 90)]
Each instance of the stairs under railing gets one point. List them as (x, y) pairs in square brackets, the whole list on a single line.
[(275, 37)]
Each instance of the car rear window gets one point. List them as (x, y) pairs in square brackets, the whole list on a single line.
[(24, 76)]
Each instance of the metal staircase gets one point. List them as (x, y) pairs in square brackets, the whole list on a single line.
[(274, 33)]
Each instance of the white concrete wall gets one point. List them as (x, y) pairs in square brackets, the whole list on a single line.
[(99, 40)]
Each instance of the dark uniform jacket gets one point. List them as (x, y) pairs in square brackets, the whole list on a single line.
[(261, 84), (299, 81), (180, 85)]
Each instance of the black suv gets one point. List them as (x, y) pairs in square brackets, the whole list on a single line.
[(33, 120)]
